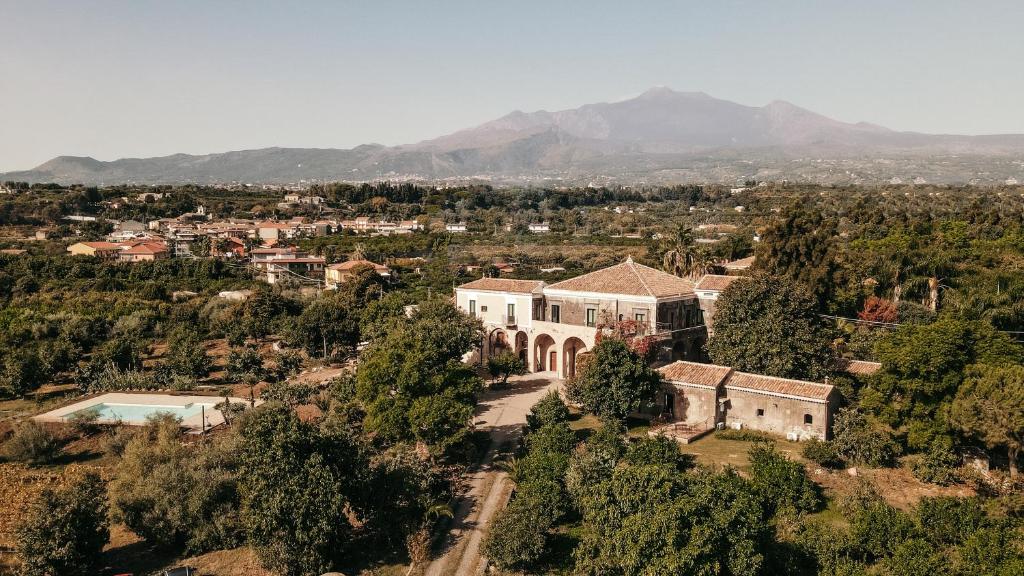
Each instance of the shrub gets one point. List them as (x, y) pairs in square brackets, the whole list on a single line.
[(947, 520), (517, 536), (65, 529), (939, 465), (83, 422), (548, 410), (782, 483), (879, 529), (32, 444), (859, 442), (822, 453), (657, 451), (117, 439)]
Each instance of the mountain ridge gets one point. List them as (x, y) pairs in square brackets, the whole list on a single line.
[(661, 136)]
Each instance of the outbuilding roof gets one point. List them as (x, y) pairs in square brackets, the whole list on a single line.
[(779, 386), (695, 373)]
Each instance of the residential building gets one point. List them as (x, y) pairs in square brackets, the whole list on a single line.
[(340, 273), (739, 265), (708, 289), (143, 251), (540, 228), (287, 264), (456, 228), (97, 249), (697, 398), (551, 325)]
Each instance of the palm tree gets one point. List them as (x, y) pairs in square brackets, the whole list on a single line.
[(682, 256)]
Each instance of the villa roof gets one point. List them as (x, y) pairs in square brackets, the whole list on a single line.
[(858, 367), (628, 278), (715, 282), (709, 375), (779, 386), (504, 285), (101, 245)]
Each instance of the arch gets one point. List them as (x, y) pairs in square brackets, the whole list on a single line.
[(497, 343), (543, 345), (522, 346), (571, 349)]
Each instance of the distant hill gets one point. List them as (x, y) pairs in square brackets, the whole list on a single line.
[(661, 136)]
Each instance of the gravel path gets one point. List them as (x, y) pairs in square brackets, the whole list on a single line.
[(503, 413)]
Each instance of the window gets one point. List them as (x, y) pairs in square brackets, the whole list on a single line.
[(472, 308), (808, 419), (641, 317), (760, 411), (511, 311), (591, 317), (556, 313)]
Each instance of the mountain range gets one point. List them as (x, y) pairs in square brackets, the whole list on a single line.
[(661, 136)]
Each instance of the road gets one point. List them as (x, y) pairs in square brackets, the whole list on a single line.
[(503, 413)]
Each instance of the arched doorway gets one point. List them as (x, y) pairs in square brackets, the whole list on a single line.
[(522, 346), (498, 343), (570, 350), (544, 354)]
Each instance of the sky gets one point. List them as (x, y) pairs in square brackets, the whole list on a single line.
[(138, 78)]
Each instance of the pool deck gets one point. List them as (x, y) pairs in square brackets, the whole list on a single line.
[(192, 424)]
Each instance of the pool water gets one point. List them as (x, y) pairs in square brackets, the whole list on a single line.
[(137, 413)]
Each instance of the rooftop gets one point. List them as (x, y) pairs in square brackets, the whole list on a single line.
[(741, 264), (715, 282), (628, 278), (858, 367), (503, 285), (709, 375), (780, 386)]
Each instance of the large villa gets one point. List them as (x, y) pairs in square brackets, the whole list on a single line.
[(550, 325)]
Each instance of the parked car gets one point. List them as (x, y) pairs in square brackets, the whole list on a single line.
[(180, 571)]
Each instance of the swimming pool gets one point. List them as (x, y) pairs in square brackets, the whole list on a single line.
[(138, 413), (198, 413)]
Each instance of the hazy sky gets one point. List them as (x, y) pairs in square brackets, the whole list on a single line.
[(142, 78)]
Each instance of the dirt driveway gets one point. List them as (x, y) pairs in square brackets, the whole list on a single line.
[(503, 413)]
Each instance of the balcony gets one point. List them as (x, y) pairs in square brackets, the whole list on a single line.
[(508, 321)]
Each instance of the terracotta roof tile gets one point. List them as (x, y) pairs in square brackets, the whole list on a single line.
[(741, 264), (858, 367), (709, 375), (628, 278), (715, 282), (779, 386), (503, 285)]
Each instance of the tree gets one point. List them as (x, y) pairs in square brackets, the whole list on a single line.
[(186, 355), (295, 483), (682, 257), (768, 325), (782, 483), (990, 406), (178, 497), (504, 365), (614, 382), (858, 441), (65, 528), (326, 324), (517, 535), (548, 410), (801, 248), (32, 443), (418, 358), (246, 365)]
